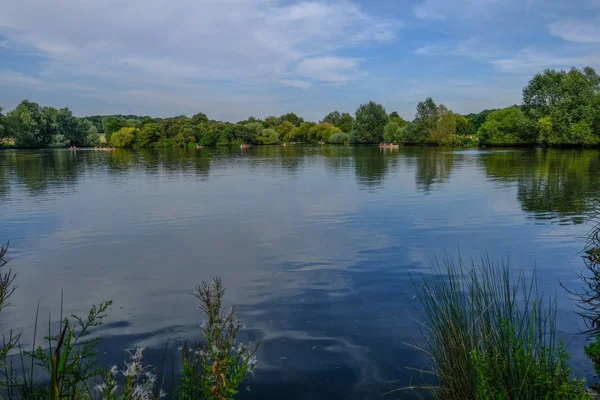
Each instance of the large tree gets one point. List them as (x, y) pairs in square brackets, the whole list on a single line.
[(291, 117), (30, 125), (508, 127), (369, 123), (566, 106)]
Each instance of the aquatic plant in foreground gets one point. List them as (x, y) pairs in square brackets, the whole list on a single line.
[(66, 367), (491, 337)]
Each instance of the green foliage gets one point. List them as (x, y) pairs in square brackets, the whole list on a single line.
[(433, 124), (271, 122), (478, 119), (254, 130), (198, 119), (322, 132), (66, 365), (208, 134), (216, 369), (124, 137), (186, 136), (268, 136), (490, 337), (31, 125), (464, 127), (346, 123), (112, 125), (369, 123), (7, 288), (70, 356), (333, 118), (291, 118), (339, 138), (566, 105), (149, 134), (560, 108), (592, 351), (445, 127), (284, 130), (301, 133), (508, 127), (393, 132)]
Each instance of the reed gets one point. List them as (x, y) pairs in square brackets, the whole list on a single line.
[(490, 336)]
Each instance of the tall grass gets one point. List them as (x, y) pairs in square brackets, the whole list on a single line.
[(66, 366), (490, 336)]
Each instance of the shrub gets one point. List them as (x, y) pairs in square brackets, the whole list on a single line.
[(268, 136), (66, 367), (392, 133), (124, 137), (339, 138), (508, 127), (492, 338)]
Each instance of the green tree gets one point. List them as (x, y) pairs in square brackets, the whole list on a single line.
[(333, 118), (111, 125), (268, 136), (3, 127), (369, 122), (445, 129), (346, 123), (149, 134), (199, 118), (394, 114), (271, 122), (426, 117), (339, 138), (566, 105), (464, 127), (292, 118), (186, 136), (29, 126), (478, 119), (322, 132), (254, 130), (284, 129), (70, 127), (124, 137), (507, 127), (300, 133), (393, 132)]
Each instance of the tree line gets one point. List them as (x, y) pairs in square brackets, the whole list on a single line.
[(558, 108)]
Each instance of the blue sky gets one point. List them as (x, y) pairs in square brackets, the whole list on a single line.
[(234, 58)]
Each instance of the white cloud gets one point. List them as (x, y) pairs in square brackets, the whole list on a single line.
[(330, 69), (296, 83), (233, 40), (531, 61), (443, 9), (577, 31)]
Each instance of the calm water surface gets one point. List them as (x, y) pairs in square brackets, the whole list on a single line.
[(315, 244)]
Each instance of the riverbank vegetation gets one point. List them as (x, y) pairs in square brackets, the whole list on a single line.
[(492, 337), (66, 365), (559, 108)]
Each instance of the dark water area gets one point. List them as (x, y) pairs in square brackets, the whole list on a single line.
[(317, 246)]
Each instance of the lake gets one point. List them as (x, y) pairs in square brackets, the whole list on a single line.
[(316, 244)]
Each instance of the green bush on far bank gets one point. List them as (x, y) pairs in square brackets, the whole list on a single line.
[(559, 108)]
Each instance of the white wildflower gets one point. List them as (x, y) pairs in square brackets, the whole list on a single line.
[(100, 387)]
